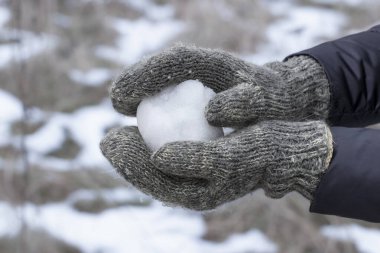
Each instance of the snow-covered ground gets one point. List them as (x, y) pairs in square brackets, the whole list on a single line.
[(27, 45), (155, 228), (131, 229), (86, 125), (297, 28), (10, 111), (92, 77), (141, 36), (367, 240)]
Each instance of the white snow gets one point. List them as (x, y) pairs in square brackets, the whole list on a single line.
[(111, 195), (310, 24), (10, 111), (92, 77), (86, 125), (9, 222), (47, 138), (297, 28), (10, 107), (348, 2), (130, 229), (137, 38), (176, 114), (29, 45), (367, 240), (141, 36), (5, 15), (127, 228)]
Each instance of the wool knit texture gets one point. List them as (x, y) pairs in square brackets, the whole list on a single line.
[(267, 152), (295, 90), (276, 156)]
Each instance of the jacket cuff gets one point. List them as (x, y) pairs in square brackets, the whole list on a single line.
[(350, 187)]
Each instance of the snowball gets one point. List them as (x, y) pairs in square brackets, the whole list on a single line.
[(176, 114)]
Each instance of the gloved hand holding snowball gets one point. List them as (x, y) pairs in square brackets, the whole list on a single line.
[(202, 169)]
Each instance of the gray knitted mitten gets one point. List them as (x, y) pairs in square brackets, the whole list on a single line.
[(277, 156), (294, 90)]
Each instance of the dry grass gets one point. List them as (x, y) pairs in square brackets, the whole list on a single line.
[(42, 186), (9, 153), (20, 127), (48, 86), (44, 78), (35, 241), (87, 27)]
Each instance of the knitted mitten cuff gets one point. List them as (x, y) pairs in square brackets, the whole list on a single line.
[(304, 154)]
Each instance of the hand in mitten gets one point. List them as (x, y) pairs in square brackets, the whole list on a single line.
[(277, 156), (295, 90)]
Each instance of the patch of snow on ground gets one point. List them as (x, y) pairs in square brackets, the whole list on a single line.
[(308, 26), (29, 44), (10, 111), (367, 240), (136, 229), (5, 15), (136, 38), (92, 77), (128, 228), (297, 28), (112, 195), (118, 230), (47, 138), (9, 222), (10, 107), (22, 44), (86, 125), (337, 2)]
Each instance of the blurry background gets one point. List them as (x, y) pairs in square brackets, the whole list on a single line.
[(57, 192)]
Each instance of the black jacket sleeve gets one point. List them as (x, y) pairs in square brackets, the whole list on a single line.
[(352, 66), (351, 186)]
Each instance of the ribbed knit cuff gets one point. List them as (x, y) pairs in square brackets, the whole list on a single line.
[(304, 155)]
